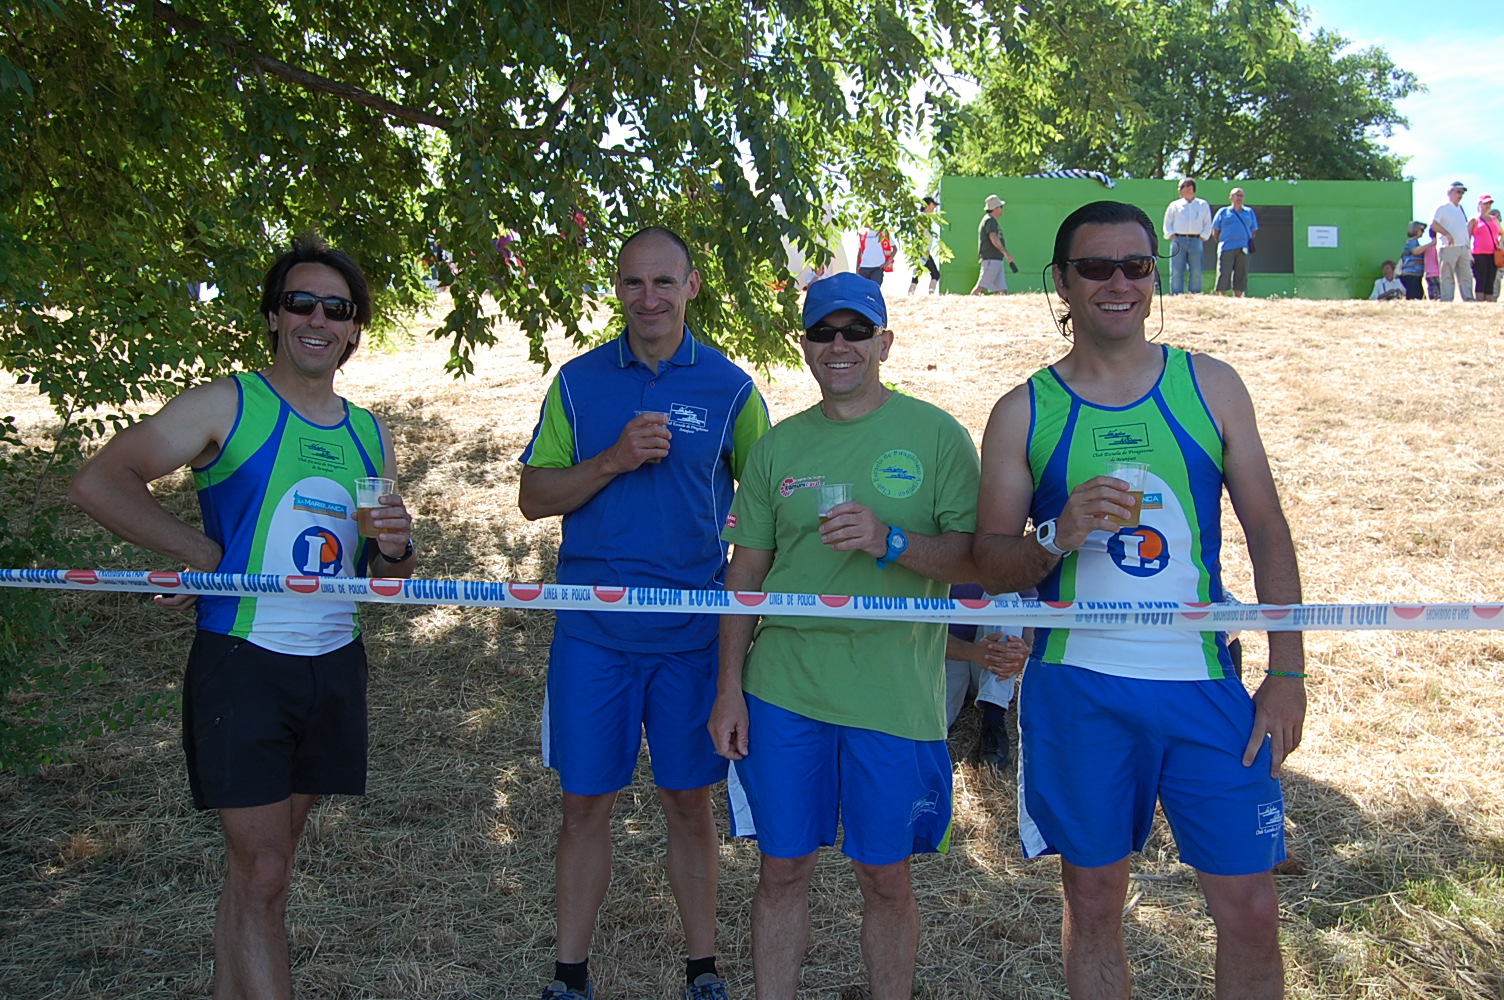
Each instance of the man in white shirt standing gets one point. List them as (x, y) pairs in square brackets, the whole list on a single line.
[(1453, 248), (874, 254), (1188, 224)]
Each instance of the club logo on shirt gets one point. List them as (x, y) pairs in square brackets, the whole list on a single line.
[(1121, 437), (898, 474), (730, 521), (321, 454), (317, 551), (688, 419), (1140, 551), (788, 486)]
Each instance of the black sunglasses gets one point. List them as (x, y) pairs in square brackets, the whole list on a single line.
[(851, 332), (1101, 268), (302, 303)]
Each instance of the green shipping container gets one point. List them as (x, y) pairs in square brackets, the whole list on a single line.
[(1316, 239)]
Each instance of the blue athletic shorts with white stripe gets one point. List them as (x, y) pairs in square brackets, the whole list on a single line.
[(801, 778), (1096, 752)]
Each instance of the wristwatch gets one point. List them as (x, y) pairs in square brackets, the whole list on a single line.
[(407, 554), (897, 543), (1044, 534)]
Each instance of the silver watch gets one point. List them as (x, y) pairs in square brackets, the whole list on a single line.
[(1044, 534)]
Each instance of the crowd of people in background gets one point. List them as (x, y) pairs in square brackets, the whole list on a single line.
[(1458, 254), (1464, 253)]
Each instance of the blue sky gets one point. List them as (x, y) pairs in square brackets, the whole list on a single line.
[(1455, 132)]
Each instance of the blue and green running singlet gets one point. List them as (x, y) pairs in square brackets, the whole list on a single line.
[(1174, 553), (280, 499)]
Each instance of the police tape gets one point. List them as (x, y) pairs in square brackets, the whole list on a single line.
[(1190, 617)]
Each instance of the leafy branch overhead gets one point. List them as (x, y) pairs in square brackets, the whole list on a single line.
[(153, 145)]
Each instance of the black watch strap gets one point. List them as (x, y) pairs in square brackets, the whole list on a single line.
[(407, 554)]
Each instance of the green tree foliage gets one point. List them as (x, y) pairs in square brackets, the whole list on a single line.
[(147, 145), (1209, 88), (40, 707)]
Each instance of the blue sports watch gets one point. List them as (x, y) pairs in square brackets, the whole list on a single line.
[(898, 542)]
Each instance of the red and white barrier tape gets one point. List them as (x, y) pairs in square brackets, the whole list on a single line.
[(574, 597)]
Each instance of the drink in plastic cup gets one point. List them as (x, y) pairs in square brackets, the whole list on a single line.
[(1135, 474), (832, 495), (368, 493), (656, 413)]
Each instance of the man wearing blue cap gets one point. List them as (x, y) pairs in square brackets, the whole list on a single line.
[(836, 719)]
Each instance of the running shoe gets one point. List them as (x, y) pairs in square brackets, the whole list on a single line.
[(707, 986)]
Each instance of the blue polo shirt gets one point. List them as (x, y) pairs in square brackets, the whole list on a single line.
[(660, 524), (1234, 228)]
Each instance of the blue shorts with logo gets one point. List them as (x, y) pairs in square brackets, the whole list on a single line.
[(599, 702), (803, 777), (1097, 751)]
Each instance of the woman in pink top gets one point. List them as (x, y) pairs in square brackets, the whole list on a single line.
[(1485, 233), (1433, 268)]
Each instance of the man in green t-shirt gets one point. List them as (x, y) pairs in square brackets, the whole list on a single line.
[(832, 719)]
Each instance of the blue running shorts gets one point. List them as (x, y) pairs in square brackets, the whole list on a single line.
[(890, 795), (1097, 751), (600, 700)]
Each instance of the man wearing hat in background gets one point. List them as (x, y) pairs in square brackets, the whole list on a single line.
[(1454, 250), (991, 250), (837, 720)]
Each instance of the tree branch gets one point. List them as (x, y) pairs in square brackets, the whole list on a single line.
[(294, 74)]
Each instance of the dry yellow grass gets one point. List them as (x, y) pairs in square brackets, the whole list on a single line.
[(1382, 425)]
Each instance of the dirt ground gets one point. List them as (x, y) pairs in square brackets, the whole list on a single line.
[(1382, 423)]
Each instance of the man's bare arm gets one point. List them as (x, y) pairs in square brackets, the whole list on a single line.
[(546, 492), (1007, 561), (1280, 701), (394, 523), (728, 718), (945, 557), (112, 487)]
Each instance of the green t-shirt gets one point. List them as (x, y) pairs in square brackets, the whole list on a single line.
[(916, 467)]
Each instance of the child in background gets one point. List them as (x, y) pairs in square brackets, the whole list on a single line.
[(983, 663), (1413, 262), (1433, 269)]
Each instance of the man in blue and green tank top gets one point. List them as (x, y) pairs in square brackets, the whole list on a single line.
[(274, 697), (1112, 722)]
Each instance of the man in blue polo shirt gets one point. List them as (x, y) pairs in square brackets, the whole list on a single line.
[(638, 447)]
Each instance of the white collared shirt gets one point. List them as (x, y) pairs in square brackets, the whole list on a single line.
[(1188, 218)]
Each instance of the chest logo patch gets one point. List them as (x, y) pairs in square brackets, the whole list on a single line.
[(898, 474), (788, 486), (318, 552), (1120, 438), (321, 454), (1140, 551), (688, 419)]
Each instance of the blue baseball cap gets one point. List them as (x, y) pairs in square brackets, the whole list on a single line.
[(844, 290)]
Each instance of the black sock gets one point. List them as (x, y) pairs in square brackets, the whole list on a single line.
[(575, 975), (694, 968), (993, 714)]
